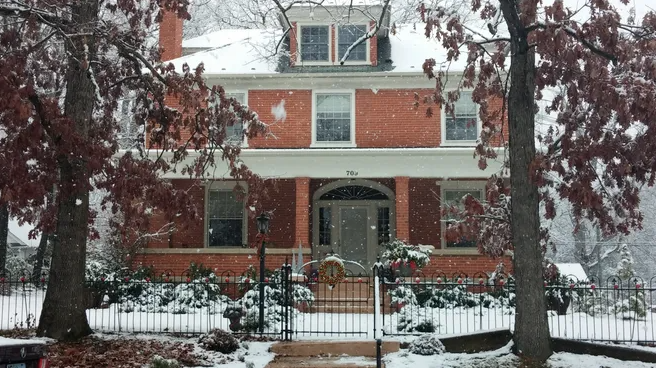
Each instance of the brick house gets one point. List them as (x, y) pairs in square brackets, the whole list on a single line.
[(352, 161)]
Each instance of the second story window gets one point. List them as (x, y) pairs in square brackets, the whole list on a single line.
[(464, 126), (347, 36), (315, 43), (235, 133), (333, 118)]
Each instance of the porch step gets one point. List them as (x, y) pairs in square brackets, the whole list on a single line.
[(323, 362), (319, 348)]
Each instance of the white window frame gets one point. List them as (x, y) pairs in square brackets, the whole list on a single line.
[(244, 143), (299, 52), (316, 143), (338, 57), (460, 185), (463, 143), (225, 186)]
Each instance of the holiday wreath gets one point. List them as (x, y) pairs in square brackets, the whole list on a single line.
[(331, 271)]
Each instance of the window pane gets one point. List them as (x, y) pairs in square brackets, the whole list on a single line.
[(333, 118), (383, 225), (347, 36), (314, 43), (235, 132), (464, 127), (454, 197), (324, 225), (225, 219)]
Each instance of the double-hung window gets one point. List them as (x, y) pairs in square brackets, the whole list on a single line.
[(333, 117), (315, 43), (235, 132), (225, 219), (462, 126), (348, 35), (454, 197)]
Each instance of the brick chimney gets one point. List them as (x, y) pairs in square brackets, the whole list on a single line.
[(170, 36)]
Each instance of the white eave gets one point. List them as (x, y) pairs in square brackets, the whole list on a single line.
[(438, 163)]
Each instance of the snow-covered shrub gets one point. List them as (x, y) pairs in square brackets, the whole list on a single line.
[(159, 362), (416, 319), (17, 267), (302, 294), (272, 309), (427, 345), (448, 296), (403, 295), (397, 253), (219, 340)]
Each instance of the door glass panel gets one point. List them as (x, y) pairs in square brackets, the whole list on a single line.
[(353, 235), (324, 225)]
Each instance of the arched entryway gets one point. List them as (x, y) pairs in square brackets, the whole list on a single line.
[(352, 218)]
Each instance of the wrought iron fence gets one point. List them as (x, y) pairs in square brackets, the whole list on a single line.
[(297, 306), (614, 310)]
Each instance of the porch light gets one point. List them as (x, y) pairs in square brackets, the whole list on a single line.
[(263, 223)]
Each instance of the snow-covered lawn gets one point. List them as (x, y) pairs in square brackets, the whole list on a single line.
[(22, 309), (503, 358)]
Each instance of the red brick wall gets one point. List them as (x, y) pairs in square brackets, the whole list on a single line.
[(170, 36), (296, 130), (425, 226), (281, 201), (373, 46), (177, 264), (468, 264), (388, 118)]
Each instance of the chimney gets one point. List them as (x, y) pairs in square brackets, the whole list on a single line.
[(170, 36)]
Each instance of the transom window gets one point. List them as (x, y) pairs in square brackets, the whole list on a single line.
[(315, 43), (333, 117), (464, 126), (225, 225), (454, 197), (347, 36)]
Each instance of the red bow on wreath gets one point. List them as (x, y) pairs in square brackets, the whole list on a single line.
[(259, 240)]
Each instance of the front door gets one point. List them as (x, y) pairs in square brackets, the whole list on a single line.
[(353, 235)]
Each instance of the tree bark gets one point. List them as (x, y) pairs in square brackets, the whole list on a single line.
[(39, 257), (531, 336), (64, 308), (4, 233)]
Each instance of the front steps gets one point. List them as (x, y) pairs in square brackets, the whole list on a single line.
[(329, 354), (350, 298)]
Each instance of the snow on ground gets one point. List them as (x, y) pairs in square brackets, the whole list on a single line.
[(503, 358), (23, 308)]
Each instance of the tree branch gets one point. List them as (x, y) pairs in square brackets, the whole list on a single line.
[(367, 35)]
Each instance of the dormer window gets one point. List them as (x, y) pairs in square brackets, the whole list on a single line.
[(315, 43), (348, 35)]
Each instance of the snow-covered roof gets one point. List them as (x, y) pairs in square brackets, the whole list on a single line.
[(4, 341), (14, 241), (252, 51), (21, 232), (572, 270), (233, 51)]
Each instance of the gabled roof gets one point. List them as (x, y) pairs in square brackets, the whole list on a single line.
[(14, 241), (253, 51)]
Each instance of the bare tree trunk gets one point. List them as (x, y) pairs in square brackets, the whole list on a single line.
[(64, 307), (531, 337), (4, 233)]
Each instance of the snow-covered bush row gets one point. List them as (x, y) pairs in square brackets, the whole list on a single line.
[(449, 296)]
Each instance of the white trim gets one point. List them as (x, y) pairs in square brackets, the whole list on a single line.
[(367, 60), (339, 163), (244, 143), (299, 52), (459, 185), (361, 182), (467, 143), (351, 143), (222, 185)]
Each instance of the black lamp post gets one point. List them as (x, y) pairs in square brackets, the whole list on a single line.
[(263, 227)]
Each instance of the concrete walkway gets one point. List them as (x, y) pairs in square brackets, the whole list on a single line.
[(329, 354)]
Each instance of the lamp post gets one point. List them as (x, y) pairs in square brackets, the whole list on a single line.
[(263, 227)]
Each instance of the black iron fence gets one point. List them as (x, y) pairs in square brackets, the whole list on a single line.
[(297, 306), (614, 310)]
